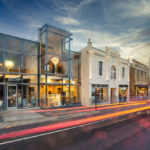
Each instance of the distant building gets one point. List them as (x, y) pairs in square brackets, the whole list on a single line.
[(104, 76), (138, 80)]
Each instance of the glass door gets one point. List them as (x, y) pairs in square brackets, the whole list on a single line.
[(12, 96)]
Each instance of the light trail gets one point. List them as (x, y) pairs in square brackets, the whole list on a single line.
[(103, 108), (81, 107), (68, 124)]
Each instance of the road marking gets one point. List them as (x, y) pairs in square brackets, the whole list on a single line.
[(66, 125), (10, 126), (48, 133)]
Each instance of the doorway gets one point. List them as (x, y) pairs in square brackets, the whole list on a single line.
[(113, 95), (12, 96)]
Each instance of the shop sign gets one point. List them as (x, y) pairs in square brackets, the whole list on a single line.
[(14, 79), (123, 88)]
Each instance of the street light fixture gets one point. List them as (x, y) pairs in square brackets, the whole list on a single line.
[(55, 61), (9, 64)]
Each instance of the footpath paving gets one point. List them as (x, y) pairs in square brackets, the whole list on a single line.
[(20, 117)]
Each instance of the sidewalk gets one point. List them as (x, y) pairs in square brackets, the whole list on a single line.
[(19, 117)]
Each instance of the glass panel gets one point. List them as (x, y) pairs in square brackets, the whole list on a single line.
[(1, 61), (74, 81), (54, 79), (66, 80), (54, 65), (29, 95), (42, 79), (30, 64), (43, 101), (13, 78), (65, 95), (65, 68), (66, 47), (1, 78), (12, 96), (123, 94), (54, 95), (30, 47), (13, 44), (19, 97), (13, 62), (29, 79), (54, 44), (43, 47), (1, 42), (99, 93), (74, 94), (2, 93)]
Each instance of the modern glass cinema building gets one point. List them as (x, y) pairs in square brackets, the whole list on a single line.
[(43, 73)]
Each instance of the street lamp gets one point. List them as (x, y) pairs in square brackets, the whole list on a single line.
[(55, 61), (9, 64)]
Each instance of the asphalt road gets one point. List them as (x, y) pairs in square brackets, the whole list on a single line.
[(138, 141), (90, 137), (97, 132)]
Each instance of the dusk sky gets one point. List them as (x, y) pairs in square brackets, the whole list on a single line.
[(123, 25)]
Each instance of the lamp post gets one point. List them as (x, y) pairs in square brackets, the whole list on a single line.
[(9, 64), (55, 61)]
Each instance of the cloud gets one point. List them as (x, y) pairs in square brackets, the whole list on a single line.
[(135, 8), (129, 44), (67, 20), (73, 8)]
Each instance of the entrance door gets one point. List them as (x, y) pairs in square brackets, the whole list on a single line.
[(12, 96), (113, 95)]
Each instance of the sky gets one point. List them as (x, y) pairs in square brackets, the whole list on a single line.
[(122, 25)]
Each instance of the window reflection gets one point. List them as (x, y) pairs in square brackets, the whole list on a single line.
[(27, 67), (13, 62)]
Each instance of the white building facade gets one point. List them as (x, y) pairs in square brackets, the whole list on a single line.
[(104, 76)]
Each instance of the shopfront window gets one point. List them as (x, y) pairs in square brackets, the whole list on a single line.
[(54, 79), (54, 95), (29, 95), (65, 95), (2, 93), (43, 101), (123, 93), (100, 92), (13, 78), (1, 78), (74, 94), (30, 79)]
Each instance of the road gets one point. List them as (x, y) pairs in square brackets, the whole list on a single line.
[(94, 132)]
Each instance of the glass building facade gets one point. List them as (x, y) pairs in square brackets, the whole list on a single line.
[(59, 68), (43, 73)]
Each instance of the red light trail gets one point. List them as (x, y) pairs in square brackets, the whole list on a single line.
[(68, 124)]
